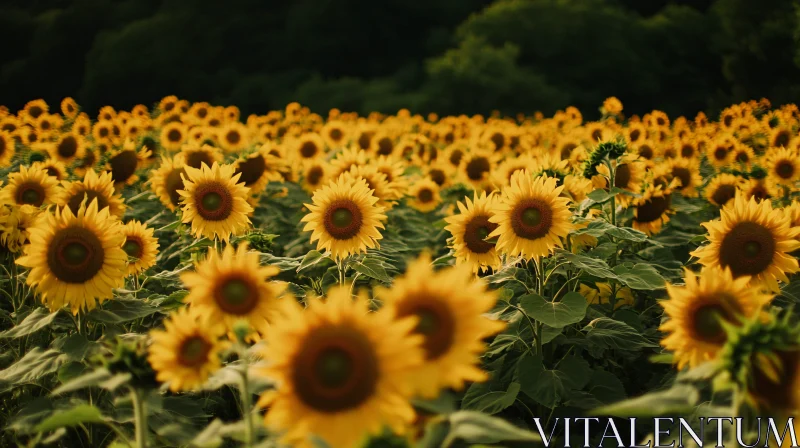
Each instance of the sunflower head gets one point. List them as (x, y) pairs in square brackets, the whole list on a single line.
[(187, 351), (699, 312), (342, 372), (30, 186), (214, 202), (140, 245), (424, 195), (470, 230), (344, 217)]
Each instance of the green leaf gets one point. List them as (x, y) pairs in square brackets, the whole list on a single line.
[(74, 346), (312, 258), (121, 310), (606, 387), (82, 413), (609, 333), (492, 402), (474, 428), (600, 195), (639, 276), (373, 269), (171, 226), (548, 387), (35, 364), (97, 378), (599, 227), (592, 266), (680, 399), (38, 319), (571, 309)]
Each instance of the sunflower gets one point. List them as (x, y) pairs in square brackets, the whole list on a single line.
[(31, 186), (476, 168), (532, 217), (14, 225), (140, 245), (742, 155), (576, 188), (439, 172), (424, 195), (234, 137), (187, 351), (601, 295), (234, 286), (382, 144), (257, 170), (344, 217), (314, 174), (309, 146), (173, 135), (7, 148), (167, 180), (377, 182), (722, 189), (93, 186), (783, 167), (628, 175), (651, 211), (394, 169), (346, 159), (214, 202), (501, 176), (195, 156), (696, 311), (34, 109), (781, 137), (101, 132), (335, 133), (342, 373), (69, 107), (687, 172), (719, 153), (75, 259), (758, 189), (449, 307), (470, 229), (124, 162), (53, 168), (751, 239)]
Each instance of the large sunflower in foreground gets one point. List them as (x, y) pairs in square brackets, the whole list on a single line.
[(187, 351), (344, 218), (449, 306), (75, 259), (470, 229), (532, 218), (166, 181), (30, 186), (233, 286), (341, 371), (93, 186), (751, 239), (140, 245), (696, 311), (214, 202)]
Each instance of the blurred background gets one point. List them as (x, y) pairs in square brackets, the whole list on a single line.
[(447, 56)]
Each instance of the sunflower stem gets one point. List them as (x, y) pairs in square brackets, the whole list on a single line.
[(139, 417), (247, 406)]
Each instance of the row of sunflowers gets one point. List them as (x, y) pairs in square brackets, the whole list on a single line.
[(179, 275)]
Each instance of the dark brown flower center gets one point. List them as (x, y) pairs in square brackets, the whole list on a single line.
[(314, 175), (622, 176), (687, 151), (684, 175), (31, 193), (455, 157), (67, 147), (75, 201), (476, 231), (308, 149), (477, 167), (634, 135), (531, 218), (652, 209), (646, 152), (723, 194), (35, 111), (742, 157), (707, 319), (213, 201), (425, 195), (133, 247), (123, 165), (782, 139), (75, 255), (437, 176), (174, 135), (385, 146), (233, 137), (343, 219), (236, 295), (336, 134), (336, 369), (785, 169), (566, 150), (173, 183), (251, 169), (364, 140), (721, 153), (499, 140), (194, 351), (196, 159), (747, 249), (436, 323)]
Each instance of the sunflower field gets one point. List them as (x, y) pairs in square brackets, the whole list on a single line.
[(179, 275)]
